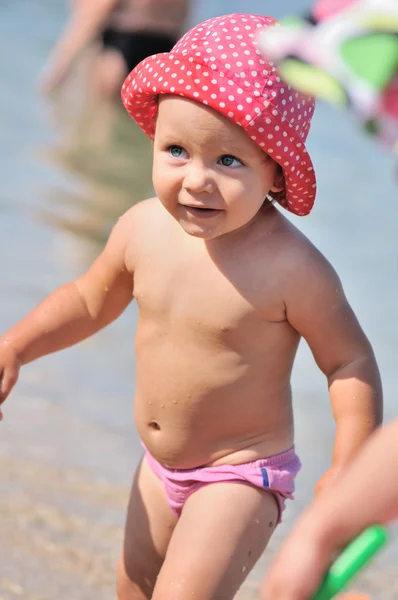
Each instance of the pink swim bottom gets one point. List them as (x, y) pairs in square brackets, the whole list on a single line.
[(275, 474)]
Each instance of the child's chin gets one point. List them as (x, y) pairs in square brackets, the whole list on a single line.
[(199, 231)]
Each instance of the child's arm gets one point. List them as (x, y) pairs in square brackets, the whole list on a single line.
[(87, 17), (365, 493), (72, 312), (317, 307)]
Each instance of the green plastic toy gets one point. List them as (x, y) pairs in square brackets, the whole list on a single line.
[(351, 560)]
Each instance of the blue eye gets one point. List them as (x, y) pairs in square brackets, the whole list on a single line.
[(227, 160), (176, 151)]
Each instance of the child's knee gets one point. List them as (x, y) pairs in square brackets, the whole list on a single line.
[(126, 588)]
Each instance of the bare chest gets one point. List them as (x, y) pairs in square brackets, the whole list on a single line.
[(198, 294)]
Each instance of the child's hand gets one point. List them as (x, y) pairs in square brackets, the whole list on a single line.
[(9, 371)]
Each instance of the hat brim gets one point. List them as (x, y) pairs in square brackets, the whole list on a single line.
[(157, 75)]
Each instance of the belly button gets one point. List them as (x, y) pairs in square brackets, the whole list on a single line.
[(154, 425)]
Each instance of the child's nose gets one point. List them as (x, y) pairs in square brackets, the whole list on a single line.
[(198, 180)]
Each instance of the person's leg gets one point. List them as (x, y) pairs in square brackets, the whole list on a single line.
[(121, 52), (149, 526), (109, 70), (222, 531)]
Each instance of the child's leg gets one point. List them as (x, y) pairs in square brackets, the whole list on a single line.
[(222, 531), (149, 525)]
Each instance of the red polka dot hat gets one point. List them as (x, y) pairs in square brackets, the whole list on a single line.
[(218, 63)]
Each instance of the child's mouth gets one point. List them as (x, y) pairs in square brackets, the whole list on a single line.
[(202, 212)]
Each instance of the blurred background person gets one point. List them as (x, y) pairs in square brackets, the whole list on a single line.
[(124, 33)]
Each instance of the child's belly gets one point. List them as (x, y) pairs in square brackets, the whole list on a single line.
[(200, 404)]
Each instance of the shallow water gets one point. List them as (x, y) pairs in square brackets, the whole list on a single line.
[(68, 445)]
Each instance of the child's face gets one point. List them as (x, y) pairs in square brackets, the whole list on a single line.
[(207, 172)]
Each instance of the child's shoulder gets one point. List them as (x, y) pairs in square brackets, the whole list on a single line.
[(144, 223), (290, 239), (305, 277), (298, 256), (149, 213), (144, 209)]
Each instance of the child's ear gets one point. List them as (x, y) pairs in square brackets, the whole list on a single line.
[(279, 180)]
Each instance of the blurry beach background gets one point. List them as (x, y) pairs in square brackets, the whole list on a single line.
[(68, 446)]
